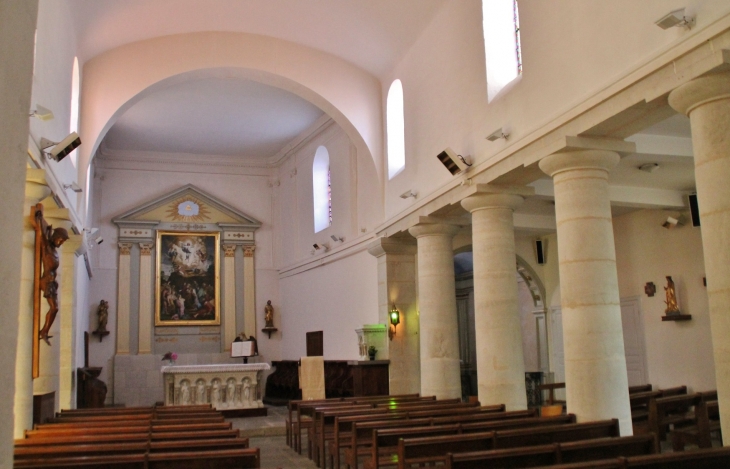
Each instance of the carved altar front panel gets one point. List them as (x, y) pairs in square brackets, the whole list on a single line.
[(222, 386)]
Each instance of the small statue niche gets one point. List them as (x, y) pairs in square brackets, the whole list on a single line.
[(102, 312)]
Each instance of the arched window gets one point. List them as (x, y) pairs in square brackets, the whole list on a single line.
[(321, 190), (501, 24), (395, 129), (74, 125)]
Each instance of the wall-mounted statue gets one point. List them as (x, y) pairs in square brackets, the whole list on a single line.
[(672, 306), (269, 314), (102, 312), (48, 240)]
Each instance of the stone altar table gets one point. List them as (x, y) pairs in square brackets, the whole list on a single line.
[(225, 387)]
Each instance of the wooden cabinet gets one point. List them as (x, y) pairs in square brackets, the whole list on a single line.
[(370, 378)]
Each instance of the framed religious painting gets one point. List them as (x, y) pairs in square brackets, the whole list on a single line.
[(187, 291)]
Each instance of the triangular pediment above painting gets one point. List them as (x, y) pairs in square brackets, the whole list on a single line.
[(186, 210)]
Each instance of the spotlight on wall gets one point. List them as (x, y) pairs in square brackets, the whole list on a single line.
[(42, 113), (675, 18), (59, 150), (497, 134), (409, 193), (673, 222), (453, 162), (649, 167), (337, 238), (73, 186)]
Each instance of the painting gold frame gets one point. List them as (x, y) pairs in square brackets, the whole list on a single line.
[(186, 276)]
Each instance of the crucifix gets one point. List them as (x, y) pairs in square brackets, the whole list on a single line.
[(47, 242)]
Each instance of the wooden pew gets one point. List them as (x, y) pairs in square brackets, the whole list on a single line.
[(671, 411), (322, 428), (558, 453), (364, 431), (707, 421), (131, 437), (205, 459), (640, 388), (304, 410), (113, 430), (124, 423), (714, 458), (293, 407), (354, 431), (442, 439)]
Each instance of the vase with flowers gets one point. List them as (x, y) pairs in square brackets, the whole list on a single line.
[(170, 357), (372, 351)]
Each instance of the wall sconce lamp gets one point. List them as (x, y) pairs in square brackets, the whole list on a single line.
[(394, 316)]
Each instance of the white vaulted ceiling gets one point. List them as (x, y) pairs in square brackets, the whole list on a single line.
[(372, 34), (239, 118), (213, 116)]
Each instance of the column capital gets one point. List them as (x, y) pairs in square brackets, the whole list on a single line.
[(383, 246), (125, 249), (36, 187), (433, 229), (229, 249), (145, 249), (477, 202), (248, 251), (583, 159), (700, 91)]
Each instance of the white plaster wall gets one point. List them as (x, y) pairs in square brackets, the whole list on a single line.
[(571, 50), (55, 52), (678, 353), (336, 298), (354, 195)]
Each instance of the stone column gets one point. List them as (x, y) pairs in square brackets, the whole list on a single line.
[(595, 364), (440, 367), (17, 27), (397, 286), (706, 101), (35, 190), (123, 292), (145, 298), (229, 295), (500, 361), (67, 317), (249, 291)]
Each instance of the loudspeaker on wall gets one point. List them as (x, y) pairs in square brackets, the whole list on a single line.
[(694, 209), (540, 251)]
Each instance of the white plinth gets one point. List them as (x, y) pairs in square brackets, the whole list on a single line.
[(222, 386)]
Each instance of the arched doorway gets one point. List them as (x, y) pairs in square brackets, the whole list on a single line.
[(531, 294)]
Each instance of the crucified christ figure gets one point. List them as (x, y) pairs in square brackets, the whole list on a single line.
[(51, 240)]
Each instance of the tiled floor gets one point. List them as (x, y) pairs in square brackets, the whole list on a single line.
[(268, 434)]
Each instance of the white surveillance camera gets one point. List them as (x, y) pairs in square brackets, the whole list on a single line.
[(409, 193), (315, 246), (61, 149), (497, 134), (675, 18), (99, 240), (42, 113), (73, 186)]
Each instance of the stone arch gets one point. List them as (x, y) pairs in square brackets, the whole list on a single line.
[(117, 79)]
